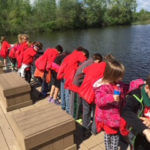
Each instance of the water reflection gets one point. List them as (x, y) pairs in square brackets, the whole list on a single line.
[(129, 44)]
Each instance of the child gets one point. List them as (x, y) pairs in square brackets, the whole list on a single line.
[(22, 47), (13, 51), (67, 71), (107, 113), (54, 81), (86, 92), (27, 60), (44, 64), (4, 50), (137, 105)]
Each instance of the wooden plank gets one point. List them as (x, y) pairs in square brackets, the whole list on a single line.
[(30, 113), (37, 120), (7, 131), (98, 147), (68, 140), (57, 145), (3, 144), (41, 125), (12, 83), (73, 147), (99, 138), (48, 135)]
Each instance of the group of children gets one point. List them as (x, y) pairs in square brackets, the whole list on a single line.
[(89, 88)]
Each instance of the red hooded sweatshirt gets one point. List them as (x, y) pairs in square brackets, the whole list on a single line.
[(92, 74), (19, 53), (69, 66), (44, 62), (28, 56), (4, 49)]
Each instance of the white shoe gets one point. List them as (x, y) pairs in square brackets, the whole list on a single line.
[(4, 68)]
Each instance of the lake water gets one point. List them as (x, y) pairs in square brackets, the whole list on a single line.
[(129, 44)]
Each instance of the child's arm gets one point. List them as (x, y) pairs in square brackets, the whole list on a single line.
[(129, 113), (104, 97)]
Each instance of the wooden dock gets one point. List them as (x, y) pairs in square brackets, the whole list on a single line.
[(8, 140)]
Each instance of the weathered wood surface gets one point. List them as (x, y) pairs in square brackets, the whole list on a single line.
[(42, 124), (14, 91), (8, 139)]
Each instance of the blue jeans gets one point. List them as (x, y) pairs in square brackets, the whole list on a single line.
[(65, 97)]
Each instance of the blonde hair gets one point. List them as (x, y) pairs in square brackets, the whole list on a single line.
[(25, 36), (114, 70), (20, 36), (3, 38)]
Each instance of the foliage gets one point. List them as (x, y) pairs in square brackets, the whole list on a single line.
[(48, 15)]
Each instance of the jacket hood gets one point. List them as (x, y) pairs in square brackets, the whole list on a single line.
[(98, 83)]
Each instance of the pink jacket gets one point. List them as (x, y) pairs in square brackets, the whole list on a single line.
[(107, 110)]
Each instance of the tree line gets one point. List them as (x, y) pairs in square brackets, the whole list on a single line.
[(19, 16)]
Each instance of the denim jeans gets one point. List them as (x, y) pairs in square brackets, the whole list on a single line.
[(75, 105), (88, 110), (44, 88), (65, 97)]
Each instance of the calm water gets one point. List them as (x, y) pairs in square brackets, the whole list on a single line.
[(130, 45)]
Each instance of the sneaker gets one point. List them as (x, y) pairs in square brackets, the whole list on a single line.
[(49, 100), (79, 121), (57, 102), (4, 68), (52, 101)]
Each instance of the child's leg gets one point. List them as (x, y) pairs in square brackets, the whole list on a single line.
[(107, 140), (52, 91), (67, 100), (62, 95), (86, 114), (79, 109), (114, 141), (56, 91), (5, 63), (28, 76), (72, 103), (93, 126)]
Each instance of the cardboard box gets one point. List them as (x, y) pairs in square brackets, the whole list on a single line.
[(44, 127)]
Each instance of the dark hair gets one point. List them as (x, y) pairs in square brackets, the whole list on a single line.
[(97, 56), (109, 57), (39, 45), (113, 71), (148, 81), (85, 51), (59, 48), (80, 48)]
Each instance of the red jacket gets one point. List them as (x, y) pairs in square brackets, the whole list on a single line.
[(28, 56), (44, 62), (92, 73), (20, 51), (69, 66), (13, 50), (107, 113), (4, 49)]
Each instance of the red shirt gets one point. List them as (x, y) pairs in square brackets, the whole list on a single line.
[(44, 62), (28, 56), (4, 49)]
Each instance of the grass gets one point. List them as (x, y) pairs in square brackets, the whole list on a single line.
[(141, 22)]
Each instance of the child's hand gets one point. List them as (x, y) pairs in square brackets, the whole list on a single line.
[(116, 98), (146, 121), (146, 132)]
